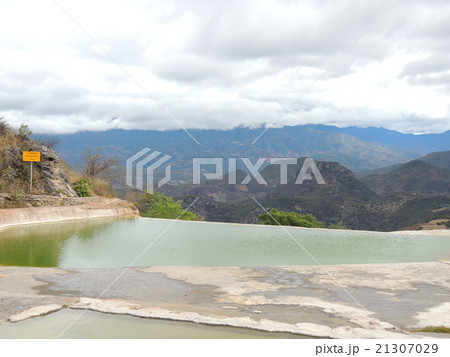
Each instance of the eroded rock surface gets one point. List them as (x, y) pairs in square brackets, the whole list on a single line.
[(345, 301)]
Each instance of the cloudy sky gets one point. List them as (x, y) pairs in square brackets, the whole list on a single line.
[(221, 64)]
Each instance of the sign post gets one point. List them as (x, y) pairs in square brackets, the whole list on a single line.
[(31, 156)]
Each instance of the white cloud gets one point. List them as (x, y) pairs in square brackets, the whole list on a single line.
[(215, 64)]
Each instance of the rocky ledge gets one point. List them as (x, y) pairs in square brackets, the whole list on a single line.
[(341, 301)]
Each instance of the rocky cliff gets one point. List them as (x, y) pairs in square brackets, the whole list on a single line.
[(49, 177)]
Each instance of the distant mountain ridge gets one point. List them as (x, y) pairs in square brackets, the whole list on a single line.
[(439, 159), (358, 149), (416, 176), (423, 143)]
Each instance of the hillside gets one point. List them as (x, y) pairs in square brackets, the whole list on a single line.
[(54, 183), (415, 177), (331, 202), (416, 193), (439, 159), (49, 177)]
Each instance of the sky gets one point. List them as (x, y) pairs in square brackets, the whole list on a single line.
[(67, 66)]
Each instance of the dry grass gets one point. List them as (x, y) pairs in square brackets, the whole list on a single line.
[(99, 187), (133, 196), (71, 174), (102, 188)]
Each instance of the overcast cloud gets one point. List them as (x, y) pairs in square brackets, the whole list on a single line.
[(221, 64)]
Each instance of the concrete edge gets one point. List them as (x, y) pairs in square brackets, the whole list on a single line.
[(52, 214)]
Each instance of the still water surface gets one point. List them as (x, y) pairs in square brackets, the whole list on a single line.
[(117, 242), (97, 325)]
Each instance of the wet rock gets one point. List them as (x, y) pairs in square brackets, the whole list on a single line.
[(35, 311)]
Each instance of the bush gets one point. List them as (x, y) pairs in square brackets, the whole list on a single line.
[(275, 217), (17, 196), (157, 205), (83, 187)]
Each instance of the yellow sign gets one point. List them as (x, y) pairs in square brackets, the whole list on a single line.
[(31, 156)]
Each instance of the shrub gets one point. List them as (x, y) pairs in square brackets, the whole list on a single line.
[(275, 217), (157, 205), (17, 196), (83, 187), (9, 173)]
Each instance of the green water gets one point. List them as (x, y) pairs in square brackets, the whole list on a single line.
[(115, 243), (97, 325)]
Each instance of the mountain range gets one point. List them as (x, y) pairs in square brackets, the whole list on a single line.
[(376, 179), (358, 149)]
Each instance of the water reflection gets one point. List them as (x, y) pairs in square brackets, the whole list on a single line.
[(98, 325), (41, 245), (117, 243)]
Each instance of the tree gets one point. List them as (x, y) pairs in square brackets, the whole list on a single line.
[(24, 132), (97, 165), (47, 141), (4, 127), (157, 205), (275, 217)]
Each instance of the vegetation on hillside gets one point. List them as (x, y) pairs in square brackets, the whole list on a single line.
[(83, 187), (275, 217), (439, 159), (157, 205), (414, 176), (96, 177), (15, 174)]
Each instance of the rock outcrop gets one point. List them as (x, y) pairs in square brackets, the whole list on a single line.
[(54, 179), (49, 177)]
